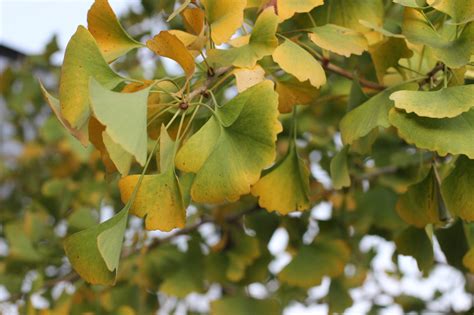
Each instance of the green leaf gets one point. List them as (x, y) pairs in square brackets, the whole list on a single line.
[(454, 53), (339, 169), (262, 43), (94, 253), (111, 38), (461, 11), (242, 305), (159, 199), (295, 60), (20, 246), (339, 40), (313, 262), (372, 114), (386, 54), (412, 3), (445, 103), (245, 129), (419, 205), (447, 135), (119, 156), (82, 61), (124, 116), (416, 243), (284, 187), (458, 189)]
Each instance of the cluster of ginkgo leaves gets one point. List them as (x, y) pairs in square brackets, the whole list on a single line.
[(276, 57)]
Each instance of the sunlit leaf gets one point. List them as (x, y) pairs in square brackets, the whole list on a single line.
[(338, 39), (193, 19), (445, 103), (447, 135), (298, 62), (458, 189), (82, 61), (94, 253), (287, 8), (244, 128), (262, 42), (111, 38), (313, 262), (461, 11), (224, 18), (246, 78), (124, 116), (372, 114), (284, 187), (168, 45)]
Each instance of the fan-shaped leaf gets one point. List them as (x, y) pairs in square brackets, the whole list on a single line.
[(287, 8), (338, 39), (224, 18), (461, 11)]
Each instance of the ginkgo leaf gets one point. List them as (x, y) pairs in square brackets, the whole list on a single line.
[(287, 8), (298, 62), (242, 305), (387, 53), (468, 260), (159, 198), (111, 38), (412, 3), (458, 189), (96, 129), (372, 114), (262, 42), (94, 253), (461, 11), (224, 18), (168, 45), (416, 243), (419, 205), (454, 53), (82, 61), (180, 9), (340, 170), (124, 116), (446, 135), (338, 39), (193, 19), (245, 129), (119, 156), (291, 92), (81, 135), (326, 257), (284, 187), (246, 78), (445, 103), (245, 250)]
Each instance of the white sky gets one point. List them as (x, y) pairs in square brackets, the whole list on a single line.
[(28, 25)]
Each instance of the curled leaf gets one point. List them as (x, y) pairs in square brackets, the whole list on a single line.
[(224, 18)]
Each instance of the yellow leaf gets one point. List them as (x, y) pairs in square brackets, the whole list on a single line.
[(292, 92), (285, 187), (338, 39), (287, 8), (298, 62), (112, 39), (193, 19), (246, 78), (224, 18), (168, 45)]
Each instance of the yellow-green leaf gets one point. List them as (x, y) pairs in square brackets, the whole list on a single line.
[(224, 18), (245, 129), (446, 135), (111, 38), (246, 78), (124, 116), (340, 170), (387, 53), (119, 156), (159, 199), (416, 243), (338, 39), (82, 61), (419, 205), (240, 305), (262, 42), (445, 103), (287, 8), (372, 114), (168, 45), (298, 62), (461, 11), (94, 253), (291, 92), (312, 262), (285, 187), (458, 189)]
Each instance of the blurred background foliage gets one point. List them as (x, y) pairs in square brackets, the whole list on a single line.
[(349, 243)]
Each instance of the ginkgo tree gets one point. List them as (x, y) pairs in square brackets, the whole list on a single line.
[(375, 92)]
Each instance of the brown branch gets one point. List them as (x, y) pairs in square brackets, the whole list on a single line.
[(328, 66), (216, 74)]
